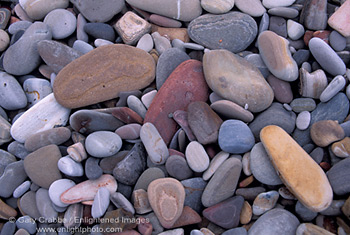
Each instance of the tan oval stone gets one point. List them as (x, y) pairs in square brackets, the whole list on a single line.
[(166, 196), (298, 171), (86, 190), (235, 79), (275, 53), (342, 148), (102, 74), (246, 213), (325, 132)]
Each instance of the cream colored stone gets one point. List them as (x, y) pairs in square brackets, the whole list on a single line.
[(37, 9), (299, 172)]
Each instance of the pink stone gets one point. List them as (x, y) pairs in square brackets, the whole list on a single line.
[(340, 19), (185, 84), (86, 191), (164, 21), (281, 89)]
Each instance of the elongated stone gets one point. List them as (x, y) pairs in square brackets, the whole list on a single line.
[(275, 53), (101, 202), (232, 77), (37, 10), (12, 96), (232, 110), (154, 144), (166, 197), (43, 116), (339, 177), (87, 190), (299, 172), (88, 79), (215, 164), (186, 84)]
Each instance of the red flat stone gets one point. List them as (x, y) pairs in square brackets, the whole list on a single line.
[(323, 34), (175, 152), (185, 84), (127, 115), (307, 36)]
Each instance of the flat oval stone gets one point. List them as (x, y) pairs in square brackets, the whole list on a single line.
[(231, 77), (265, 202), (178, 168), (184, 11), (120, 201), (43, 116), (100, 30), (303, 104), (145, 43), (101, 202), (128, 170), (261, 166), (36, 89), (211, 31), (326, 57), (274, 222), (87, 190), (337, 41), (303, 120), (87, 121), (231, 142), (185, 85), (27, 203), (148, 176), (166, 197), (136, 105), (61, 22), (103, 144), (215, 164), (56, 136), (23, 57), (232, 110), (56, 54), (277, 3), (286, 12), (273, 116), (336, 85), (57, 188), (104, 12), (129, 131), (325, 132), (253, 8), (12, 96), (275, 53), (70, 167), (226, 214), (167, 63), (154, 144), (299, 172), (37, 10), (196, 156), (204, 122), (223, 183), (27, 224), (21, 189), (14, 175), (90, 86), (44, 204), (92, 169), (217, 6), (338, 177), (47, 156), (281, 89), (342, 148), (295, 30)]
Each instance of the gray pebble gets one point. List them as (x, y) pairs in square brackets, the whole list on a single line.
[(62, 23), (145, 43), (19, 25), (303, 120), (194, 188), (27, 223), (100, 30), (101, 202), (256, 60), (8, 228), (339, 177), (12, 96), (27, 204), (136, 105), (17, 149), (334, 209), (147, 177), (57, 188), (103, 144), (36, 89), (81, 34), (303, 104), (70, 167), (193, 46), (177, 43), (13, 176), (337, 41), (304, 213), (250, 193), (161, 43), (236, 231), (6, 158), (82, 46), (92, 169), (44, 205), (336, 85), (317, 154), (21, 189), (178, 168), (120, 201), (278, 25), (286, 12)]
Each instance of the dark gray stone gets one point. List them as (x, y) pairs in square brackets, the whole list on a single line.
[(194, 188), (339, 177), (100, 30), (275, 222), (167, 63), (301, 56), (336, 109), (304, 213), (278, 25), (236, 231), (6, 158), (124, 189), (13, 176), (250, 194), (131, 167), (178, 168), (337, 41), (212, 31), (314, 14), (8, 228), (92, 169), (27, 204), (147, 177), (277, 115), (27, 223)]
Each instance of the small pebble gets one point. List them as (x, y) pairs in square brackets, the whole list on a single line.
[(70, 167), (103, 144), (196, 156), (265, 202), (303, 120), (62, 23)]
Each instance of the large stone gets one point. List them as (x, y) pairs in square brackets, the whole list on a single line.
[(41, 166), (179, 10), (166, 197), (37, 10), (275, 53), (275, 222), (314, 14), (223, 183), (13, 176), (211, 31), (185, 85), (12, 96), (102, 74), (338, 20), (298, 171), (339, 176), (235, 79)]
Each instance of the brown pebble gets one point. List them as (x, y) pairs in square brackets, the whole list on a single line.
[(246, 182), (6, 211), (342, 148), (325, 132), (172, 33), (188, 217), (246, 213)]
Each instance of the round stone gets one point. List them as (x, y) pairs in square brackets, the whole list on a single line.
[(253, 8), (303, 120), (337, 41), (61, 22), (235, 137), (178, 168), (57, 188), (196, 156), (211, 30), (12, 96), (103, 144)]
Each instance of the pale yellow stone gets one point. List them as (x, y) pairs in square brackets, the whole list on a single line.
[(298, 171), (246, 213)]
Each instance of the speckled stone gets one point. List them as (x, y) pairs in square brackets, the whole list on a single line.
[(117, 78), (265, 202), (210, 30)]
